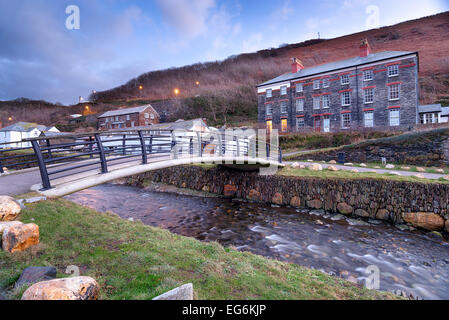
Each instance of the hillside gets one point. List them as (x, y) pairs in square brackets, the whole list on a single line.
[(228, 86)]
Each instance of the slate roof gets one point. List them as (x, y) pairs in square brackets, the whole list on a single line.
[(177, 125), (24, 127), (336, 65), (127, 111), (429, 108)]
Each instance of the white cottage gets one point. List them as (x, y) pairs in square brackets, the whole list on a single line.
[(12, 136)]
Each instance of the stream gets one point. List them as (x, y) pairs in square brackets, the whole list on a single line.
[(414, 262)]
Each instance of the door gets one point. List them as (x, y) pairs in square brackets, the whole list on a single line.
[(326, 124), (269, 126), (317, 124), (284, 125)]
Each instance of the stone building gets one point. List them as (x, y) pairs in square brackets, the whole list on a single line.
[(128, 118), (372, 91)]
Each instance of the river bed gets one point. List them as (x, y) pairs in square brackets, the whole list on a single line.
[(414, 262)]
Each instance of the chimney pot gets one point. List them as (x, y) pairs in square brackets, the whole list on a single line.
[(365, 49), (296, 65)]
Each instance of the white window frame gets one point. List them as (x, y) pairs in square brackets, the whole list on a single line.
[(327, 98), (283, 90), (152, 116), (299, 105), (344, 79), (344, 99), (326, 83), (368, 122), (269, 93), (368, 95), (344, 120), (269, 109), (283, 107), (393, 70), (127, 117), (390, 92), (299, 87), (368, 75), (316, 103), (316, 84), (391, 119), (303, 124)]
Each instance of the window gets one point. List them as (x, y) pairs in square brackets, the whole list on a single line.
[(393, 92), (106, 119), (284, 125), (326, 101), (369, 95), (283, 107), (116, 118), (127, 117), (132, 123), (300, 123), (152, 116), (346, 120), (316, 102), (269, 110), (299, 87), (393, 70), (269, 126), (316, 84), (346, 98), (326, 83), (146, 115), (269, 93), (345, 79), (299, 105), (394, 117), (369, 119), (283, 90), (367, 75)]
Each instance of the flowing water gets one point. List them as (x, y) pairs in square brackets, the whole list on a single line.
[(414, 262)]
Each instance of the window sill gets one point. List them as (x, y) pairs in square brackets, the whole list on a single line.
[(394, 99), (396, 75), (369, 102)]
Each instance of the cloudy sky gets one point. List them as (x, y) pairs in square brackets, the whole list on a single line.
[(40, 58)]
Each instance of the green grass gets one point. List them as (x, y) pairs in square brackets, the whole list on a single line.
[(133, 261), (343, 174)]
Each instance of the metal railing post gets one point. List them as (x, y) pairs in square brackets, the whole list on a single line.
[(49, 151), (220, 145), (173, 144), (124, 145), (200, 147), (104, 165), (238, 146), (191, 146), (42, 167), (280, 155), (268, 151), (150, 147), (91, 156), (142, 146), (1, 167)]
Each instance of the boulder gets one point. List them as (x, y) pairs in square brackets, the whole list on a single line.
[(205, 188), (426, 220), (5, 225), (32, 275), (332, 168), (446, 177), (389, 166), (333, 162), (295, 202), (446, 225), (348, 164), (20, 237), (383, 214), (315, 167), (344, 208), (363, 165), (295, 165), (229, 190), (420, 169), (419, 175), (376, 167), (277, 198), (184, 292), (394, 173), (439, 170), (405, 168), (253, 195), (315, 204), (9, 208), (361, 213), (354, 171), (73, 288)]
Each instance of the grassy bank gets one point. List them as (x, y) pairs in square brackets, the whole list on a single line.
[(134, 261)]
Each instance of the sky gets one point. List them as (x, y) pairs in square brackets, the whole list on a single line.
[(46, 54)]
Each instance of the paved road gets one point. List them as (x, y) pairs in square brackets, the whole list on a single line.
[(348, 168)]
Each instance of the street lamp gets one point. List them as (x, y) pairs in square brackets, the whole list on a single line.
[(10, 119), (197, 83), (140, 87), (176, 91)]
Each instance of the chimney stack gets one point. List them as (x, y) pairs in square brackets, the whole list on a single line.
[(365, 49), (296, 65)]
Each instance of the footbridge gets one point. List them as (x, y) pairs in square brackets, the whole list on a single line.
[(66, 163)]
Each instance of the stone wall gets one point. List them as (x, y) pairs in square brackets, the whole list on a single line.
[(422, 149), (366, 198)]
